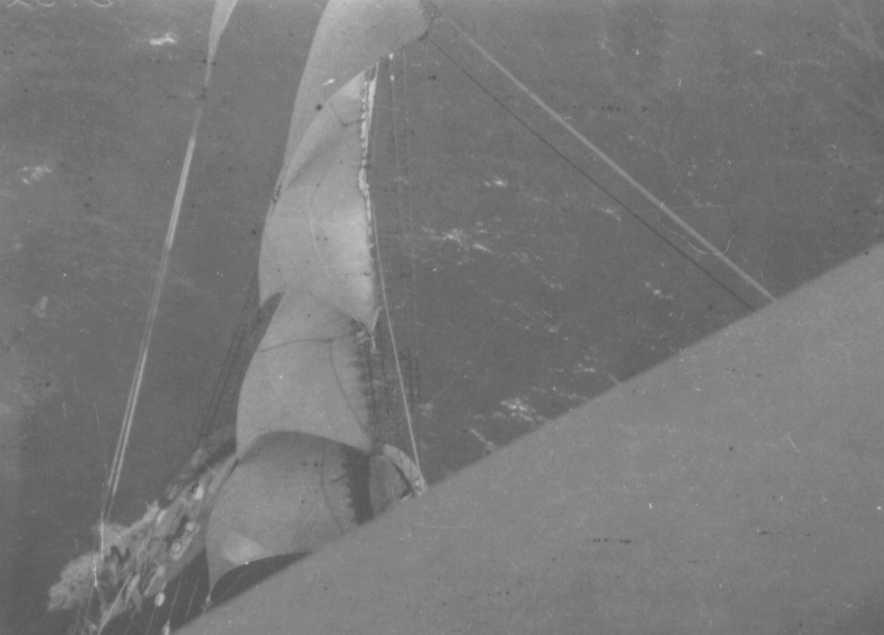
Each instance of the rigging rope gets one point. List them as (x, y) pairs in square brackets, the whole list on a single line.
[(232, 363), (119, 459), (406, 406), (764, 296)]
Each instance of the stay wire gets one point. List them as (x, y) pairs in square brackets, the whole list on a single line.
[(613, 165), (153, 310), (406, 406)]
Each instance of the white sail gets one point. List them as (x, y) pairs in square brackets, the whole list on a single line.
[(351, 36), (316, 253), (306, 468), (316, 248)]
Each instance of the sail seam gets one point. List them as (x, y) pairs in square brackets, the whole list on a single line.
[(297, 340), (341, 385)]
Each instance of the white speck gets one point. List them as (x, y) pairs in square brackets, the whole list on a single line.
[(605, 46), (613, 213), (637, 52), (458, 236), (496, 182), (489, 446), (329, 81), (481, 247), (40, 308), (650, 505), (30, 174), (518, 409), (166, 39), (678, 82), (758, 53), (523, 257), (657, 293), (159, 599), (880, 508)]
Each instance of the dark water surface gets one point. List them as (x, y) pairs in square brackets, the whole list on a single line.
[(519, 289)]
